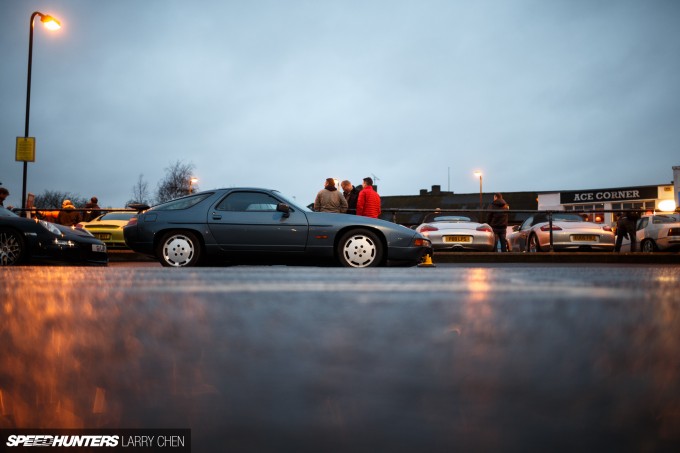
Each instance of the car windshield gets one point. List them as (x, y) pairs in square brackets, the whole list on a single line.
[(117, 216), (451, 218), (290, 203)]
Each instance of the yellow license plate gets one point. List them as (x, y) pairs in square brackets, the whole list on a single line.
[(103, 236), (584, 238), (466, 239)]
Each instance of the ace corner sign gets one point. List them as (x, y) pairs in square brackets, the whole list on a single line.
[(608, 195), (25, 150)]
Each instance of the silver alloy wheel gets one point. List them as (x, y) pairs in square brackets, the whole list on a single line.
[(11, 248), (359, 250), (534, 246), (648, 246), (178, 250)]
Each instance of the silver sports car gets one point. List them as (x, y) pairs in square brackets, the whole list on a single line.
[(570, 233), (240, 225), (457, 233), (656, 233)]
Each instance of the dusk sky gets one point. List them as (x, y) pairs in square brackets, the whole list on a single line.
[(537, 94)]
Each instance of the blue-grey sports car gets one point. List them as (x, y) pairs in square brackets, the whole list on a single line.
[(249, 224), (28, 240)]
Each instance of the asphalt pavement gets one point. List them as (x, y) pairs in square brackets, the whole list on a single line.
[(518, 357)]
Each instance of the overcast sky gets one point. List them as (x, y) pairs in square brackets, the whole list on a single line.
[(537, 94)]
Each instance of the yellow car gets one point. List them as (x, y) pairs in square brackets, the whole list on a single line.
[(108, 228)]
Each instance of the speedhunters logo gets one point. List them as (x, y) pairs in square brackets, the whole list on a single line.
[(129, 441)]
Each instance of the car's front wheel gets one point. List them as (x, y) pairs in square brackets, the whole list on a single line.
[(648, 246), (179, 249), (12, 247), (360, 248)]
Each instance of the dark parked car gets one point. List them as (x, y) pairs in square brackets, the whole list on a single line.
[(242, 224), (27, 240)]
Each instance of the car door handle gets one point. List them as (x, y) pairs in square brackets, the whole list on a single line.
[(216, 216)]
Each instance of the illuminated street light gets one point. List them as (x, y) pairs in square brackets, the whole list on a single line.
[(51, 24), (192, 181), (479, 175)]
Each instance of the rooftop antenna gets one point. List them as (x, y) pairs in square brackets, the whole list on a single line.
[(375, 178)]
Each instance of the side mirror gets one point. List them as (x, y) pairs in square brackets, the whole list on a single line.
[(283, 207)]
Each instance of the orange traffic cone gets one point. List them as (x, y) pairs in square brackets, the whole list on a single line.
[(427, 262)]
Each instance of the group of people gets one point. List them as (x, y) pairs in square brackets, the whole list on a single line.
[(68, 215), (363, 200)]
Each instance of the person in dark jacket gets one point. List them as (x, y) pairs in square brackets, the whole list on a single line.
[(351, 194), (625, 228), (498, 220), (92, 210)]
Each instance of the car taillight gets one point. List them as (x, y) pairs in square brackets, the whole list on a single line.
[(486, 228), (426, 228), (132, 222), (547, 228), (674, 231), (418, 242), (607, 228)]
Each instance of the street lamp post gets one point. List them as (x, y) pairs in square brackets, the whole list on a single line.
[(479, 175), (192, 181), (51, 24)]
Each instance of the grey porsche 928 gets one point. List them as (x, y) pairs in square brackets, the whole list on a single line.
[(239, 225)]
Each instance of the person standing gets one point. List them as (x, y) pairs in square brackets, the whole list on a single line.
[(329, 199), (351, 195), (625, 227), (4, 193), (368, 202), (498, 220), (92, 210), (68, 215)]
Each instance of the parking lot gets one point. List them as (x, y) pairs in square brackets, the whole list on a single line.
[(461, 356)]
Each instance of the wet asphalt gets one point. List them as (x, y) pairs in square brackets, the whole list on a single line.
[(511, 357)]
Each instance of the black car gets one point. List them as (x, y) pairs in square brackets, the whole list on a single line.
[(251, 224), (28, 240)]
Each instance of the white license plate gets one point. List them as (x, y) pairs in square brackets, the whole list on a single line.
[(99, 248), (458, 238), (583, 238)]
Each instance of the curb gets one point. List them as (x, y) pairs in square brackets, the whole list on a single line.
[(557, 257)]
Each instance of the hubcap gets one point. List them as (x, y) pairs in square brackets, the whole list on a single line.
[(178, 251), (9, 249), (359, 251)]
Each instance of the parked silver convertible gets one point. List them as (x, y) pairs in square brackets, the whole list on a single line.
[(250, 224), (570, 232), (448, 232)]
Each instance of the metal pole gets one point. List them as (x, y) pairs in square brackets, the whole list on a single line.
[(28, 106), (480, 199)]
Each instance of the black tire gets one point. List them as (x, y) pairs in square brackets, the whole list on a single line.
[(648, 246), (360, 248), (179, 249), (12, 247), (533, 246)]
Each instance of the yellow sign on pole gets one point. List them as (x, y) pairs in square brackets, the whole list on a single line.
[(25, 149)]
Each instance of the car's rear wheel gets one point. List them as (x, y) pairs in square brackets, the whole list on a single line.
[(360, 248), (179, 249), (12, 247), (534, 245), (648, 246)]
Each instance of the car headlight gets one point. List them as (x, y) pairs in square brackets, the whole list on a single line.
[(50, 227)]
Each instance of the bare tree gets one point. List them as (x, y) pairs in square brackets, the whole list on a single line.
[(54, 198), (140, 192), (176, 182)]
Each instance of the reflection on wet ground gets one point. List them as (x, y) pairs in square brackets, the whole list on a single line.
[(272, 359)]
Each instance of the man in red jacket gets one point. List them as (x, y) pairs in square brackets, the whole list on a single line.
[(368, 204)]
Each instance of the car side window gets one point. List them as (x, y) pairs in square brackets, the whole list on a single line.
[(248, 201), (643, 223)]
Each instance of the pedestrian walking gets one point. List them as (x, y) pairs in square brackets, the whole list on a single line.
[(498, 220), (351, 195), (329, 199), (368, 202)]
